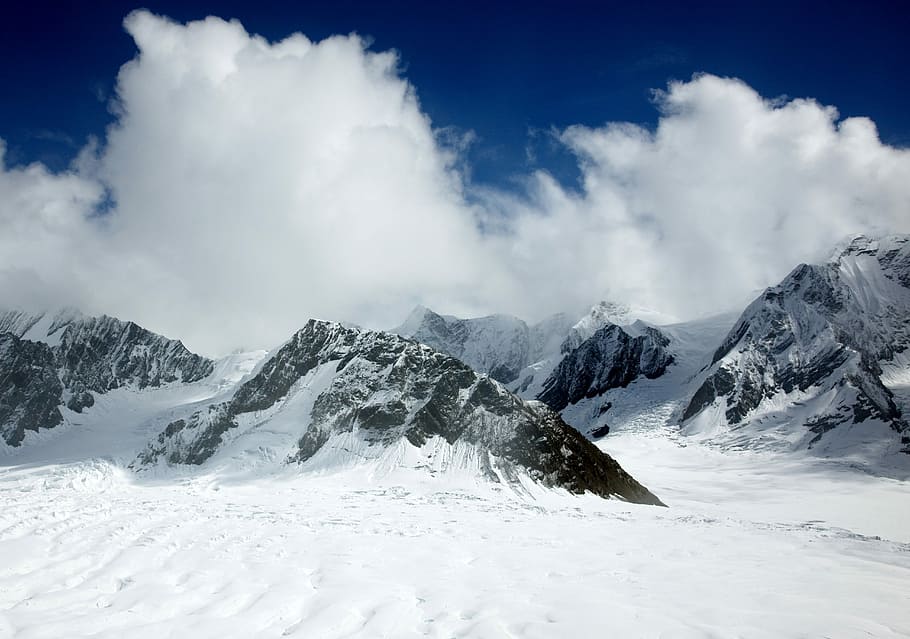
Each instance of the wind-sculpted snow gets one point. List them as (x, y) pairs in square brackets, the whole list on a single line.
[(812, 347), (382, 390), (756, 545), (65, 359), (610, 358)]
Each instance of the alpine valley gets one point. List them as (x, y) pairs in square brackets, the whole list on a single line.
[(470, 477)]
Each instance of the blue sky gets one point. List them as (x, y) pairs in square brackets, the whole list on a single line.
[(267, 180), (508, 72)]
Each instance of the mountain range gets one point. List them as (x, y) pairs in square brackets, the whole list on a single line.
[(817, 363)]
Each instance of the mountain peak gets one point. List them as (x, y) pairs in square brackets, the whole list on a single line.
[(816, 344), (862, 244), (331, 390)]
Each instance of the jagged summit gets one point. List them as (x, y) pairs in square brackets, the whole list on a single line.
[(811, 353), (65, 359), (601, 314), (498, 345), (43, 326), (332, 391), (861, 243), (559, 361)]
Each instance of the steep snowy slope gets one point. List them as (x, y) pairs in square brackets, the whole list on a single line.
[(121, 422), (335, 393), (498, 345), (803, 366), (75, 358)]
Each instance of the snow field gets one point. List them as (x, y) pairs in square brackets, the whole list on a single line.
[(752, 546)]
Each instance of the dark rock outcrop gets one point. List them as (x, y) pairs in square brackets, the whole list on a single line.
[(30, 391), (94, 355), (611, 358), (99, 354)]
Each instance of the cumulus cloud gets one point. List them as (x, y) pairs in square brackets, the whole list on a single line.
[(728, 194), (45, 235), (255, 185), (247, 186)]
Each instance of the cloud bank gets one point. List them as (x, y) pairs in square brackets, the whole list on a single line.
[(728, 194), (247, 186)]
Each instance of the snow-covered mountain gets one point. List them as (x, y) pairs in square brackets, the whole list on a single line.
[(559, 361), (820, 362), (332, 394), (500, 346), (44, 327), (609, 358), (605, 313), (30, 389), (806, 364), (53, 361)]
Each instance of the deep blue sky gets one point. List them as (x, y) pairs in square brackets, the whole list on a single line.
[(502, 70)]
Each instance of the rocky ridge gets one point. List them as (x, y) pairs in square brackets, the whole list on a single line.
[(383, 389), (70, 358), (820, 338)]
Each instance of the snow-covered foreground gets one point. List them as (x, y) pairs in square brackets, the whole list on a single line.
[(752, 545)]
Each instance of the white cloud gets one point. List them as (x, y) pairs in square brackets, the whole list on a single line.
[(728, 194), (45, 235), (257, 184)]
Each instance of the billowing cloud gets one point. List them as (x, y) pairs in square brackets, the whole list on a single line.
[(255, 185), (248, 185), (45, 235), (728, 194)]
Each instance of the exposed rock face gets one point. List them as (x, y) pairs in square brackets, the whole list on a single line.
[(30, 390), (385, 388), (557, 361), (102, 353), (17, 322), (610, 358), (38, 327), (822, 333), (89, 355)]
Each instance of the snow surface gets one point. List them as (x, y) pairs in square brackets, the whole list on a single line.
[(413, 542), (753, 545)]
